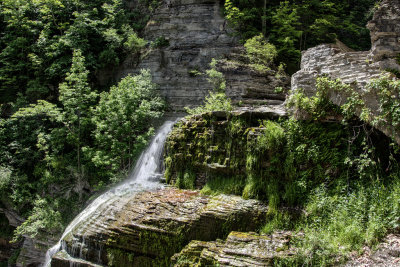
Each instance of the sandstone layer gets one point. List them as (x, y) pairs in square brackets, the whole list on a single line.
[(148, 228)]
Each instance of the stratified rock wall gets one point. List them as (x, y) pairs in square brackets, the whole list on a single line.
[(357, 68), (385, 30), (148, 228), (328, 59), (196, 32)]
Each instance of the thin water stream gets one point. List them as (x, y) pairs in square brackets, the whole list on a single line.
[(145, 177)]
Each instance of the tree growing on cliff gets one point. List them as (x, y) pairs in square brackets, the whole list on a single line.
[(122, 122), (77, 98)]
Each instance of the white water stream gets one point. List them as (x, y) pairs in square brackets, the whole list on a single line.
[(144, 177)]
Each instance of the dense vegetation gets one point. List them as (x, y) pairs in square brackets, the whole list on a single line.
[(62, 137), (293, 26), (335, 182), (38, 37)]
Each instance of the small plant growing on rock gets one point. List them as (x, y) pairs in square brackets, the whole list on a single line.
[(260, 53), (216, 100)]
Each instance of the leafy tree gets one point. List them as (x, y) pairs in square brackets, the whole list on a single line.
[(38, 35), (122, 121), (285, 34), (44, 217), (77, 98)]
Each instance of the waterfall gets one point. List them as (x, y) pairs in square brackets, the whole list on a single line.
[(144, 177)]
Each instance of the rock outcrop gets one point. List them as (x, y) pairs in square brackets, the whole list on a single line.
[(193, 32), (239, 249), (357, 68), (215, 144), (148, 228)]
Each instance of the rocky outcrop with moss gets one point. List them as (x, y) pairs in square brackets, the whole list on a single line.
[(239, 249), (358, 70), (150, 227)]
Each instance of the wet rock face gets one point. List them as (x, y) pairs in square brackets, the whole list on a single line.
[(239, 249), (147, 229), (216, 145)]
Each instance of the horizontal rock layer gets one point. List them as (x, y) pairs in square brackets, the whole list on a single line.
[(196, 32), (148, 228), (356, 68), (239, 249)]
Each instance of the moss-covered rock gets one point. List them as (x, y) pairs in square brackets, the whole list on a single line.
[(150, 227), (239, 249)]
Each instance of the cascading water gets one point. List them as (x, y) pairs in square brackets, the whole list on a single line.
[(145, 176)]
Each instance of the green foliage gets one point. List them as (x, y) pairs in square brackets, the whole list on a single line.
[(293, 26), (76, 98), (121, 118), (216, 100), (388, 92), (224, 185), (216, 78), (285, 33), (260, 53), (160, 42), (213, 102), (343, 219), (186, 180), (38, 36), (44, 217)]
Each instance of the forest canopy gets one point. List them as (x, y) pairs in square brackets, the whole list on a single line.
[(293, 26)]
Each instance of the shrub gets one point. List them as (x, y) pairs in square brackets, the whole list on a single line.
[(260, 53)]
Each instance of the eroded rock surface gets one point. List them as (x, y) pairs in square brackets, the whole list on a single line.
[(194, 32), (148, 228), (239, 249), (356, 68)]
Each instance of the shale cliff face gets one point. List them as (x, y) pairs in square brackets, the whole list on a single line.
[(193, 32), (336, 61)]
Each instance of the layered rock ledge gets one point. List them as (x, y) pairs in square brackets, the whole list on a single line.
[(357, 68), (150, 227), (239, 249)]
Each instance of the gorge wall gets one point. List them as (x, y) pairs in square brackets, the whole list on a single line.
[(194, 32)]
